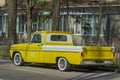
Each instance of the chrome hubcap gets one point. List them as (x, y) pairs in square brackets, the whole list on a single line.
[(17, 59)]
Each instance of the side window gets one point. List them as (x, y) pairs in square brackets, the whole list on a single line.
[(36, 38), (58, 38)]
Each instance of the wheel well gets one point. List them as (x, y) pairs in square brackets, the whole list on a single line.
[(14, 54), (57, 58)]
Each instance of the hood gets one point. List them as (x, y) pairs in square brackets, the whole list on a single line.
[(18, 46)]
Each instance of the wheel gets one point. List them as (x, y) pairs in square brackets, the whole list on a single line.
[(18, 59), (63, 64)]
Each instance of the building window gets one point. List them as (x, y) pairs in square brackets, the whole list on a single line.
[(21, 23), (87, 24)]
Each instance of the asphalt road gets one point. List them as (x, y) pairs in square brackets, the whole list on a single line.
[(8, 71)]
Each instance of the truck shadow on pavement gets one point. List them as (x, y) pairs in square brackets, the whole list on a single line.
[(97, 74), (46, 66), (75, 69)]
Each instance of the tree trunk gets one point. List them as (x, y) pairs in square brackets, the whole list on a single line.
[(99, 25), (12, 10), (56, 13), (67, 18), (29, 27)]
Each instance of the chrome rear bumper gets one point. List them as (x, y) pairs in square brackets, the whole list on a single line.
[(97, 63)]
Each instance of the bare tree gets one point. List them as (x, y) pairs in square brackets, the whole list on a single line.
[(12, 10), (56, 14), (29, 27), (30, 5), (99, 25)]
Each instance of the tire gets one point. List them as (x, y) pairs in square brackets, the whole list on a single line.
[(63, 64), (18, 61)]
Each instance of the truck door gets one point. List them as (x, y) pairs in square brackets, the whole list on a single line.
[(34, 49)]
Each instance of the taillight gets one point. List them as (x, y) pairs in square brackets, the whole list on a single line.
[(82, 54), (113, 51), (113, 54)]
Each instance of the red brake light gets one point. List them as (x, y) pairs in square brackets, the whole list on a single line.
[(82, 54), (113, 54)]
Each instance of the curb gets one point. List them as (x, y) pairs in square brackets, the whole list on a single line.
[(4, 57)]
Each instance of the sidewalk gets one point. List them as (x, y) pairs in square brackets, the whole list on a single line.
[(4, 52), (4, 57)]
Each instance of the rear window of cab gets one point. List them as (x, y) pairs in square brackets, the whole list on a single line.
[(58, 38)]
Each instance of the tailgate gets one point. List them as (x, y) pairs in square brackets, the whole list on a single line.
[(98, 53)]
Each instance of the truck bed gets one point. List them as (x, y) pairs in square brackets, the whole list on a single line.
[(98, 54)]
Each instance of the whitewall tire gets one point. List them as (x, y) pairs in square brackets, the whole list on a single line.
[(18, 59), (63, 64)]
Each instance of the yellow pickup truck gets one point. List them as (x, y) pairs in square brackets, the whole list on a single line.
[(56, 47)]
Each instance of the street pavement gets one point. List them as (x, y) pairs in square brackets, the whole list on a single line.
[(8, 71)]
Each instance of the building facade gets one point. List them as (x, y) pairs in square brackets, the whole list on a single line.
[(82, 22)]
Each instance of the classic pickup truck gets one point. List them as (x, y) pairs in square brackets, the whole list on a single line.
[(56, 47)]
